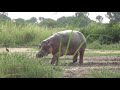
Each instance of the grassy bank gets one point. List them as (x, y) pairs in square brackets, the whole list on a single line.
[(17, 65)]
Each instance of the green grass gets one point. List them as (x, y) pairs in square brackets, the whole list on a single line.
[(96, 45), (96, 52), (16, 65), (104, 73)]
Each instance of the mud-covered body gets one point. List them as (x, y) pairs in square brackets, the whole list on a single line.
[(59, 43)]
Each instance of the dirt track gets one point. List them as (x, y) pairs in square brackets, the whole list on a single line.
[(90, 63), (16, 49)]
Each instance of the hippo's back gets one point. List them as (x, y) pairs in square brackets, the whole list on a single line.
[(76, 38)]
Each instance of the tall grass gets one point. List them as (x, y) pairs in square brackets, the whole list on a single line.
[(16, 65), (23, 35), (15, 35)]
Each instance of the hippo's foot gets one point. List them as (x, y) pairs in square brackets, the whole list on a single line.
[(74, 61), (80, 63), (55, 63), (72, 64)]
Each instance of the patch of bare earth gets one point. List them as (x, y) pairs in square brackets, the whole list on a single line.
[(90, 63), (16, 50), (28, 51)]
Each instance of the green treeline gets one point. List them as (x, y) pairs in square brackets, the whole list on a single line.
[(20, 32)]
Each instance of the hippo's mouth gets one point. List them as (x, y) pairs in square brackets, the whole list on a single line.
[(41, 54)]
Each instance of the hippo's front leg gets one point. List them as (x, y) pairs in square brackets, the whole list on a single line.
[(75, 58), (55, 58)]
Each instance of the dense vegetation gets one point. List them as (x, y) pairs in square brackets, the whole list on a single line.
[(31, 33)]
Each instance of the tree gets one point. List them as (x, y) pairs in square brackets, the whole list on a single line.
[(113, 16), (4, 13), (48, 22), (27, 21), (62, 21), (99, 18), (19, 20), (79, 14), (41, 18), (4, 16), (33, 20), (82, 19)]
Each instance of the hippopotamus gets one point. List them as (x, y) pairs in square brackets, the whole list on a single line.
[(67, 42)]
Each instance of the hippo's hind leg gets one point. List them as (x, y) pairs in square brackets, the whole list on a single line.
[(75, 58), (81, 56)]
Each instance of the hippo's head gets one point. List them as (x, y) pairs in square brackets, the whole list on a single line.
[(45, 49)]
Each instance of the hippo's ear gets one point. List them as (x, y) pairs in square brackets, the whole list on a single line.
[(42, 43), (45, 42)]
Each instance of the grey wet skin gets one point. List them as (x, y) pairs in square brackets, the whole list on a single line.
[(52, 45)]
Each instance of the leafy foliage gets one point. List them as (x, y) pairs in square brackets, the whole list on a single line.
[(79, 20), (113, 16), (99, 18), (48, 23), (29, 32), (19, 20), (3, 16), (33, 20)]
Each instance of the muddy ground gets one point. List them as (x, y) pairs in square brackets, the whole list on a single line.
[(90, 62)]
